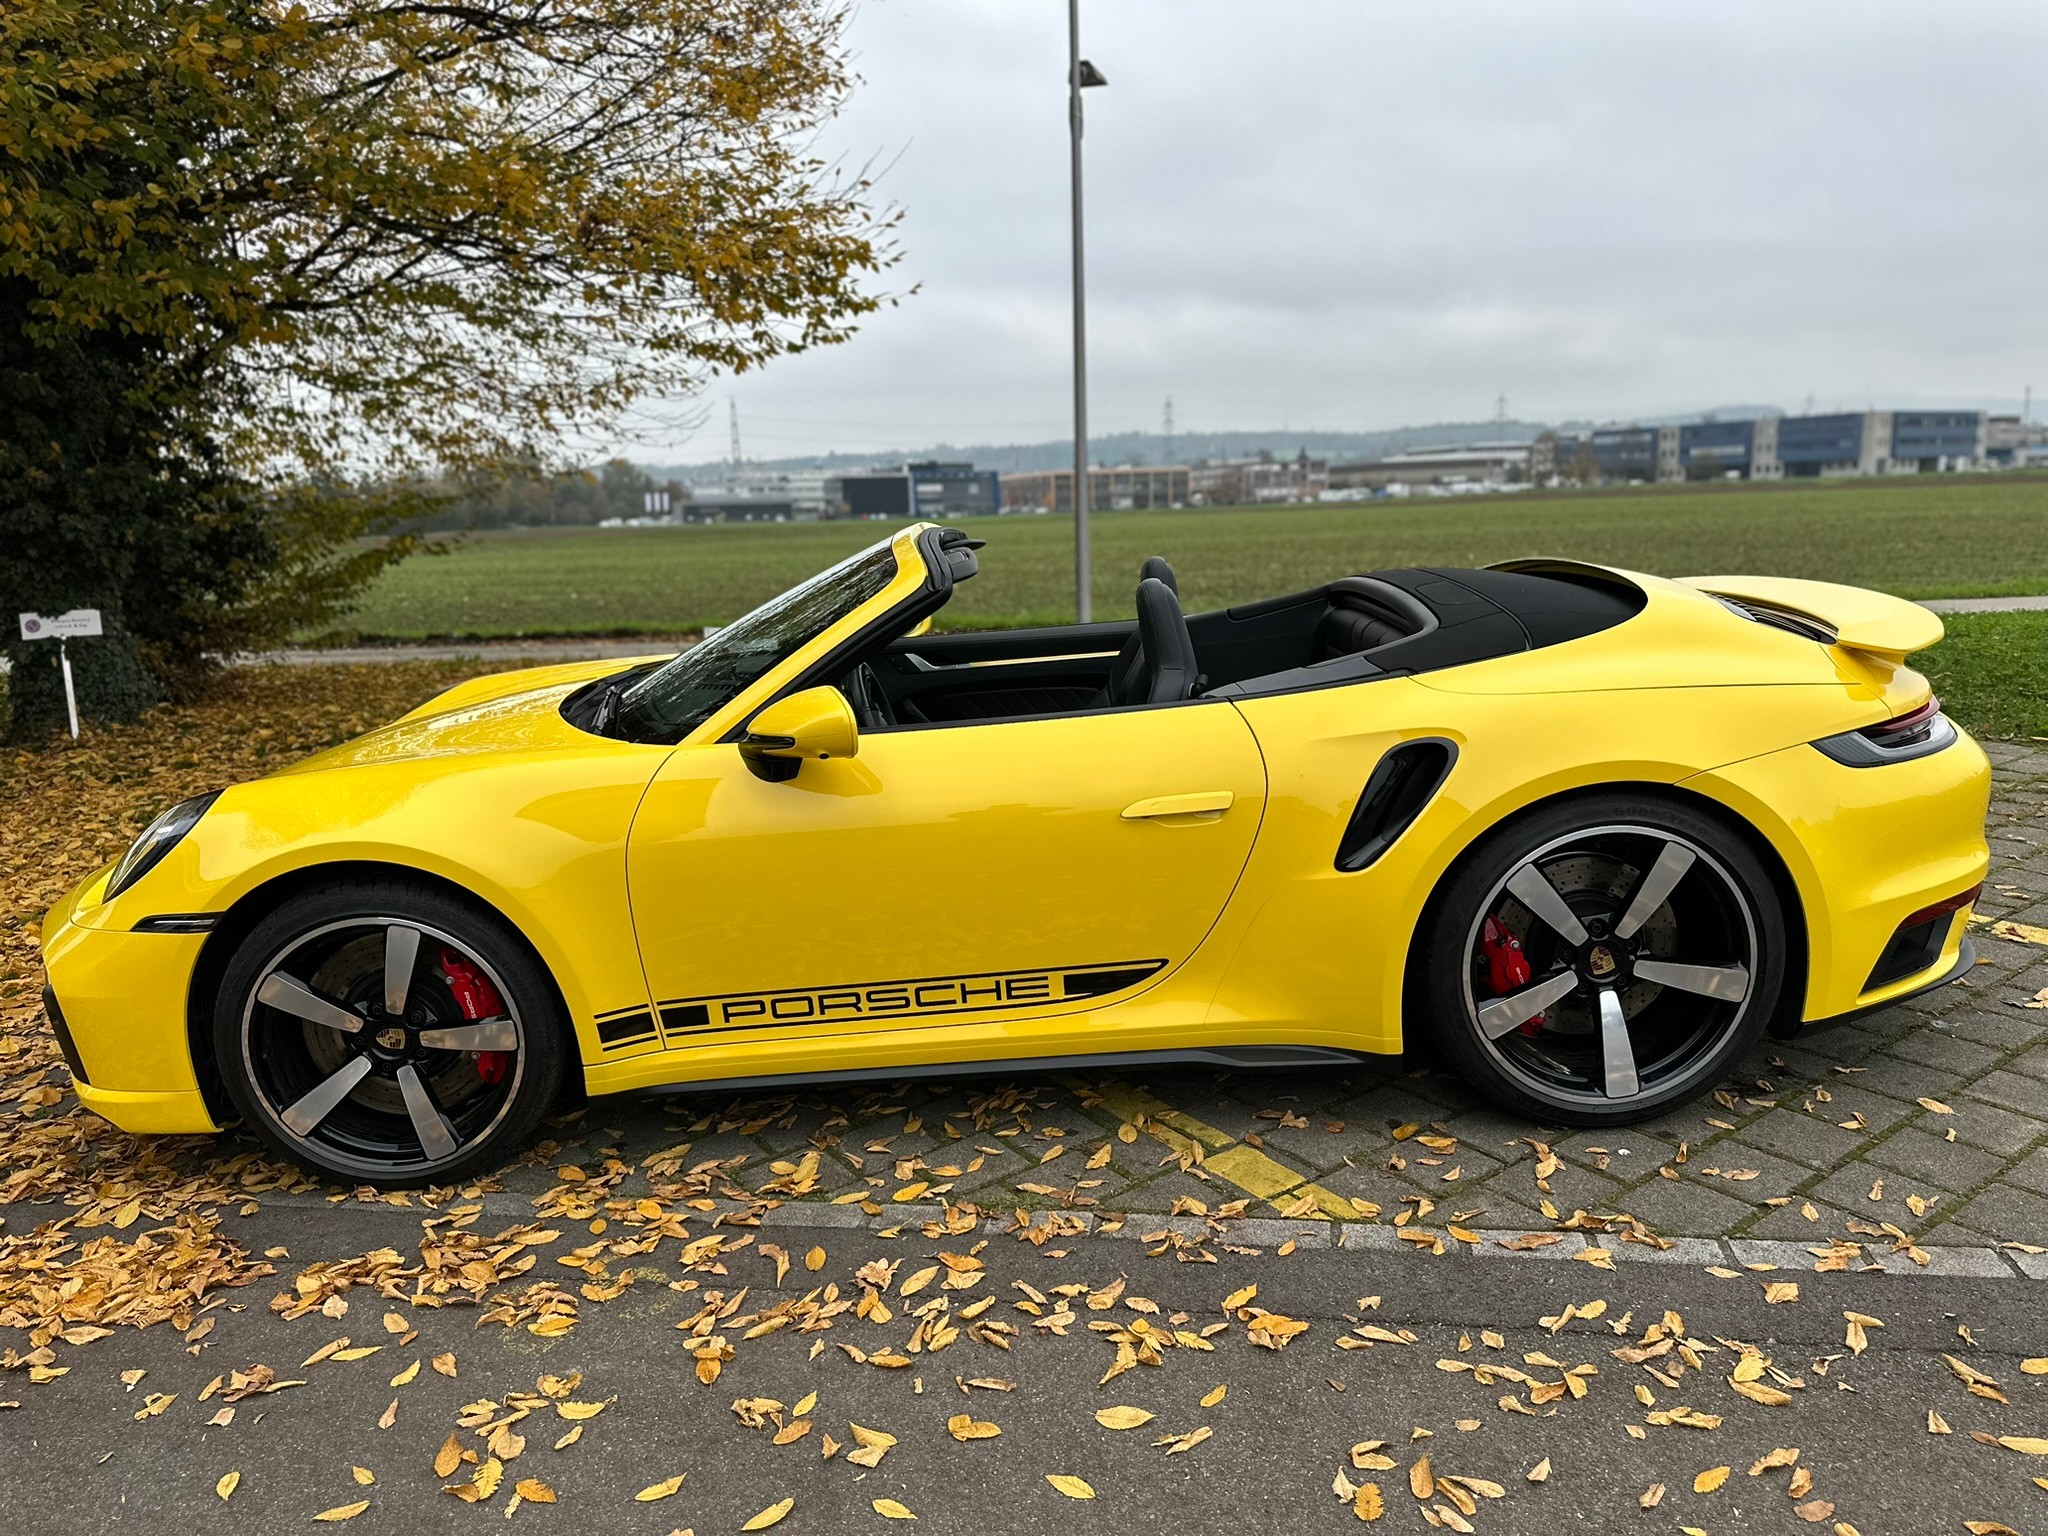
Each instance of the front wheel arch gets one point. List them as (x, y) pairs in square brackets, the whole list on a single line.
[(240, 920), (1791, 996)]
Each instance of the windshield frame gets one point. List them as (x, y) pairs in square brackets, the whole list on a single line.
[(910, 578)]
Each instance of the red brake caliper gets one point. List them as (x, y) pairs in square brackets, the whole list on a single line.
[(1507, 967), (478, 999)]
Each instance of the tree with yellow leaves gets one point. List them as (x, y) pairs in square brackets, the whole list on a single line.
[(297, 254)]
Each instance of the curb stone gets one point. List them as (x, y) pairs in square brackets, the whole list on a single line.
[(1976, 1263)]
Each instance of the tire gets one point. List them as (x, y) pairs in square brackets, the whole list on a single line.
[(449, 1086), (1654, 961)]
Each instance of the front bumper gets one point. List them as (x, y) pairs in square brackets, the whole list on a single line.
[(117, 1003)]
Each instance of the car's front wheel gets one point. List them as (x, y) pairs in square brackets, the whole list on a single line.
[(382, 1033), (1603, 959)]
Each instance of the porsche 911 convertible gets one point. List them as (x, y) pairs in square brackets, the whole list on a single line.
[(1586, 835)]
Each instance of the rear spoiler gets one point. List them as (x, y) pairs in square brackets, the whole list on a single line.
[(1853, 618)]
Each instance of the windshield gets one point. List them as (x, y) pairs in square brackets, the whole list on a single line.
[(668, 704)]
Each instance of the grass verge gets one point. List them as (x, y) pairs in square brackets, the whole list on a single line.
[(1923, 538), (1992, 672)]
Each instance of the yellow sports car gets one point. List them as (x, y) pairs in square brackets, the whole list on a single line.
[(1586, 834)]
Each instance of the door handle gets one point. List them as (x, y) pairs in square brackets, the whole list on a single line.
[(1205, 805)]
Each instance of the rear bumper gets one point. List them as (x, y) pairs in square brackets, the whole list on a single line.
[(117, 1003), (1866, 848)]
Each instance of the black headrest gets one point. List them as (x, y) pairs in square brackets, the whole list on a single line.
[(1156, 569), (1169, 650)]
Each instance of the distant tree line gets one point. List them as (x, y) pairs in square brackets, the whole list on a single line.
[(527, 494)]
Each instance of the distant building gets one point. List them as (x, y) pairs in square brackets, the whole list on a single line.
[(931, 490), (1477, 463), (1264, 478), (1715, 450), (736, 507), (1932, 441), (1132, 488), (1626, 453), (1820, 445), (1781, 447)]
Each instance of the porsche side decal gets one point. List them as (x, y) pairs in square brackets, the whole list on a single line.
[(918, 998), (625, 1027)]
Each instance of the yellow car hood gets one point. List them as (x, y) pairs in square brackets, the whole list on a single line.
[(507, 711)]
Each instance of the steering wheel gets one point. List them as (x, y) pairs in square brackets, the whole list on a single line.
[(870, 703)]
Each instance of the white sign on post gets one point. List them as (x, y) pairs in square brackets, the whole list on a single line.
[(77, 622)]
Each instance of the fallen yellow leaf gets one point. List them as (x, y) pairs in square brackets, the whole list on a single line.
[(660, 1490), (964, 1426), (1072, 1487), (1367, 1503), (889, 1509), (1213, 1398), (1123, 1417), (229, 1482), (342, 1512), (1540, 1473), (772, 1515), (1710, 1480)]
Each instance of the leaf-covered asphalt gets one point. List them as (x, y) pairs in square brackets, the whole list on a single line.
[(78, 1457)]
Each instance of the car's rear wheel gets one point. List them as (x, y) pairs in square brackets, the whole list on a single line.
[(1602, 960), (381, 1033)]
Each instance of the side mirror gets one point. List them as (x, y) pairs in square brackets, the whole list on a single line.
[(817, 723)]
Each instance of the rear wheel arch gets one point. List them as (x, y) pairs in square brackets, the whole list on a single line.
[(240, 920), (1792, 995)]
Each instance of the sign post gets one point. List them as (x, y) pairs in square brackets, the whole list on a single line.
[(79, 622)]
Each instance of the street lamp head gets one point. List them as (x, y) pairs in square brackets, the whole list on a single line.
[(1090, 75)]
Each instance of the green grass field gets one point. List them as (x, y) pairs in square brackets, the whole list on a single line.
[(1992, 672), (1919, 538)]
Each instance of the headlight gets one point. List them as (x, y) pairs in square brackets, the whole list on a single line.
[(156, 840)]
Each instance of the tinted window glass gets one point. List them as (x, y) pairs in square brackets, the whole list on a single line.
[(669, 703)]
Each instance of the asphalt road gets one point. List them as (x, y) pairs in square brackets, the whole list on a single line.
[(75, 1457)]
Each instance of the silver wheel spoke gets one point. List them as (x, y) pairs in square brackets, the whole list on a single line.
[(401, 949), (304, 1117), (484, 1035), (1723, 983), (1532, 889), (437, 1136), (295, 997), (1617, 1055), (1503, 1014), (1656, 887)]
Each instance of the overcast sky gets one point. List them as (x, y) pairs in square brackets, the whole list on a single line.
[(1348, 214)]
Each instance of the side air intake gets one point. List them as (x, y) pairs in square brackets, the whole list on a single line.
[(1405, 781)]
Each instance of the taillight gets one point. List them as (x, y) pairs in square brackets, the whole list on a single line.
[(1917, 733)]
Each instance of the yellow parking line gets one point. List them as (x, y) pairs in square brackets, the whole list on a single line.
[(1218, 1152)]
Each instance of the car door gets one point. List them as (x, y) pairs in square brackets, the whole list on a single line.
[(943, 875)]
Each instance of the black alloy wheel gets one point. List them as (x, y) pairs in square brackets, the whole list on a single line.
[(380, 1034), (1604, 960)]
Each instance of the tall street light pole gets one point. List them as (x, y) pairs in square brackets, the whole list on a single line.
[(1080, 75)]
